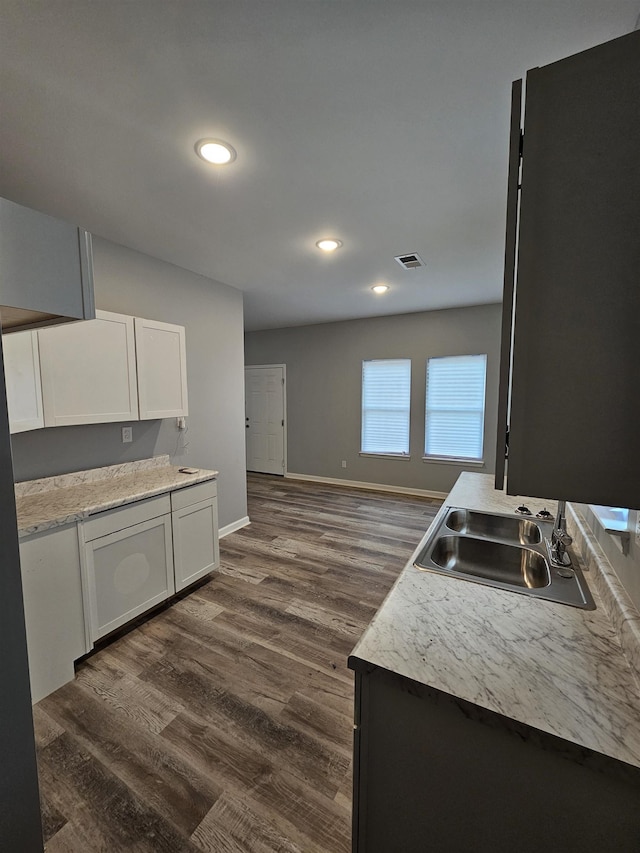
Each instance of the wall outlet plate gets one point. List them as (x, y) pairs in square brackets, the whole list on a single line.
[(638, 527), (127, 434)]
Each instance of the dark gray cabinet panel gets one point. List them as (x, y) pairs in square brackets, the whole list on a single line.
[(435, 773), (575, 401), (19, 800), (515, 140), (45, 267)]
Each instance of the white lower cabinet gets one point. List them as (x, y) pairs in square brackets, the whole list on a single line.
[(194, 515), (53, 607), (128, 557), (81, 582)]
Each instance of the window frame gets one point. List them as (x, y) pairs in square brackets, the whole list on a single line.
[(391, 454), (440, 458)]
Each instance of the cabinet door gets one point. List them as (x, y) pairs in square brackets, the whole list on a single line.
[(575, 404), (511, 238), (53, 607), (162, 369), (89, 371), (24, 388), (45, 264), (128, 572), (195, 542)]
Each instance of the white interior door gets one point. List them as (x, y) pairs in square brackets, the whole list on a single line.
[(265, 418)]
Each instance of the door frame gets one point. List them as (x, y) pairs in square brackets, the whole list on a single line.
[(285, 440)]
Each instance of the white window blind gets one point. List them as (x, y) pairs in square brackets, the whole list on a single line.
[(386, 404), (454, 424)]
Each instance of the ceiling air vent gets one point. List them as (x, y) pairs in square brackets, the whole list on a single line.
[(410, 262)]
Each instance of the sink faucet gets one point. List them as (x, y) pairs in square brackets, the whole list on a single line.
[(560, 538)]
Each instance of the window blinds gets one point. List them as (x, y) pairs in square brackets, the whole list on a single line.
[(455, 406), (386, 404)]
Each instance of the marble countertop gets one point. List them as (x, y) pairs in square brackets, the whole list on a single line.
[(556, 668), (48, 503)]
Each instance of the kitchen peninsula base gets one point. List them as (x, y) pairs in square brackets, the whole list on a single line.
[(433, 772), (492, 721)]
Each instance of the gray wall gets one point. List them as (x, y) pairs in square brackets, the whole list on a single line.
[(324, 374), (131, 283)]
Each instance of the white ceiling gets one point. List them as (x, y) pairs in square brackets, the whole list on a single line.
[(381, 122)]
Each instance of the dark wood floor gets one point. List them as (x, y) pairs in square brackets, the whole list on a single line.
[(224, 723)]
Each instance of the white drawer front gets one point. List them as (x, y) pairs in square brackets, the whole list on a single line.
[(193, 494), (112, 520)]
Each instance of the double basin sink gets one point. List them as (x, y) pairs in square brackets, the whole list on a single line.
[(502, 551)]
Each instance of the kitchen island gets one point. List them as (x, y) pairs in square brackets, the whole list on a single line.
[(491, 720)]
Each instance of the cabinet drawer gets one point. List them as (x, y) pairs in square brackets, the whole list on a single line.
[(112, 520), (193, 494)]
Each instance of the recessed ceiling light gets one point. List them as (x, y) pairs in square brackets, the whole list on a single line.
[(380, 288), (215, 151), (329, 245)]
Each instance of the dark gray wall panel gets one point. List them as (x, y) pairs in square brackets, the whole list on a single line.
[(19, 801)]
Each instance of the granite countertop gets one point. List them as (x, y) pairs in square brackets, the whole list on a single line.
[(48, 503), (556, 668)]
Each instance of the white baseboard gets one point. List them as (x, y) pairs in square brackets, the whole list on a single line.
[(235, 525), (373, 487)]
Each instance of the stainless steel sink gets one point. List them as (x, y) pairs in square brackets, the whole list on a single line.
[(502, 551), (493, 561), (505, 527)]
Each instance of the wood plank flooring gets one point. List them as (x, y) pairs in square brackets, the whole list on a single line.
[(224, 722)]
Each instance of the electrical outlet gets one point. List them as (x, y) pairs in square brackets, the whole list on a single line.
[(344, 463), (181, 423), (638, 528), (127, 434)]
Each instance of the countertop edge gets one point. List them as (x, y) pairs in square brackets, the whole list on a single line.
[(521, 731), (86, 510)]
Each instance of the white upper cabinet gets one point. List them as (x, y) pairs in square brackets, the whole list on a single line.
[(89, 371), (162, 369), (24, 389)]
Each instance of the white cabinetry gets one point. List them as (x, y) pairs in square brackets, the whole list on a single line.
[(99, 371), (24, 388), (162, 369), (81, 582), (53, 607), (194, 514), (128, 559), (89, 371)]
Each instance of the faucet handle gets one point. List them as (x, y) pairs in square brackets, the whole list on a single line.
[(523, 510), (563, 536)]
